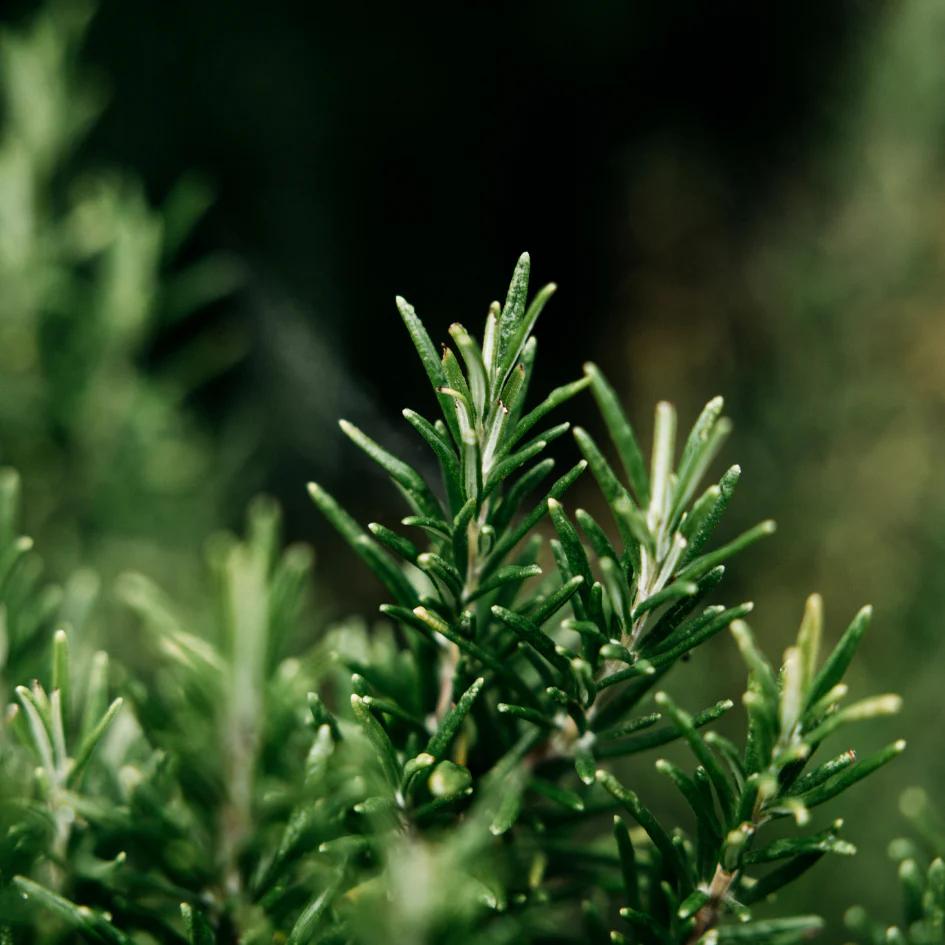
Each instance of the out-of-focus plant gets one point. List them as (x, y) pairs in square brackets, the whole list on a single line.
[(185, 790), (90, 284), (31, 605), (921, 871)]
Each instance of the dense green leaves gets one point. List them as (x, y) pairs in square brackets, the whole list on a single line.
[(763, 783), (921, 880), (445, 775)]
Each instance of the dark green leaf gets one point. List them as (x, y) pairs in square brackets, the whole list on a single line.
[(196, 926), (826, 842), (430, 360), (311, 916), (88, 744), (394, 542), (402, 473), (376, 559), (379, 740), (839, 660), (707, 514), (511, 573), (642, 815), (849, 776), (557, 397), (512, 538), (453, 719), (621, 432), (524, 328), (531, 634), (444, 452), (628, 864), (571, 543), (696, 568), (512, 315), (689, 730)]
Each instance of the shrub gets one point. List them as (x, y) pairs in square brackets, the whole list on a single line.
[(454, 774), (100, 351), (921, 872)]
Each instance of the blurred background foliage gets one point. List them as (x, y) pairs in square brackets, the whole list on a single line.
[(205, 211), (91, 411)]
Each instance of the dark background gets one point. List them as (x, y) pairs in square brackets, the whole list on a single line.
[(733, 198), (360, 150)]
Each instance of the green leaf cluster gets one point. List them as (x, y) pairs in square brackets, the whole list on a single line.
[(921, 875), (460, 771), (98, 289)]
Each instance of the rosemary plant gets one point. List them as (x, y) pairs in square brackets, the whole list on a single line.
[(921, 873), (93, 278), (456, 773)]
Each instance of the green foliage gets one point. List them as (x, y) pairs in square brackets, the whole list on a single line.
[(28, 606), (132, 808), (450, 774), (565, 665), (94, 281), (921, 870)]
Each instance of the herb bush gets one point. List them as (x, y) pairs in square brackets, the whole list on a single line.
[(456, 773), (921, 873), (96, 283)]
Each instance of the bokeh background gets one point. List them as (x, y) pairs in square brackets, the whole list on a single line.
[(206, 210)]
